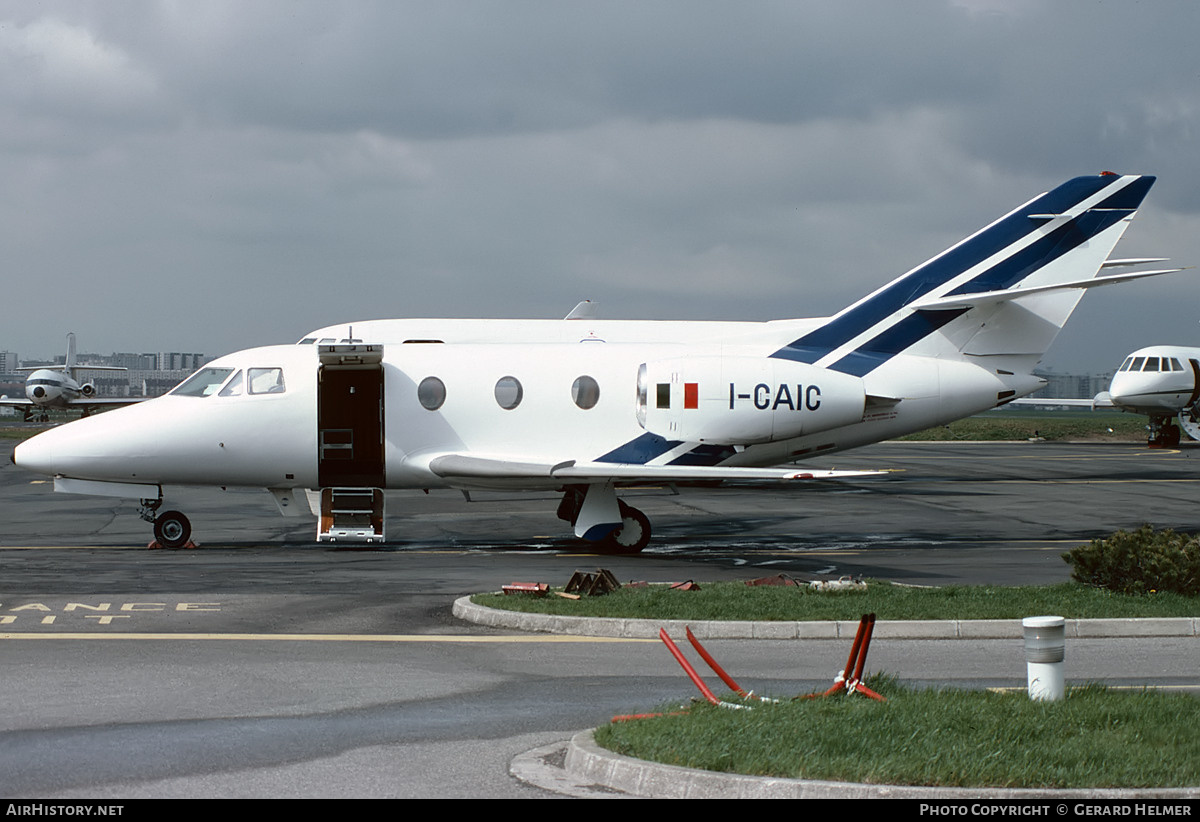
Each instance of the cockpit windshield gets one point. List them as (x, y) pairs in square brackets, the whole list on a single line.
[(208, 381), (204, 382)]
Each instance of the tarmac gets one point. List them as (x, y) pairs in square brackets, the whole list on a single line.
[(580, 768)]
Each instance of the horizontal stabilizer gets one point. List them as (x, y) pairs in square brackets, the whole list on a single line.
[(963, 301), (1133, 261), (74, 369)]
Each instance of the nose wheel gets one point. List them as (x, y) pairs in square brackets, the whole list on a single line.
[(172, 529)]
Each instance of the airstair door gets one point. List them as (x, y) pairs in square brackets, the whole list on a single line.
[(350, 416)]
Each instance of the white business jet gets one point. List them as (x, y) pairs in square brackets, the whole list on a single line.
[(586, 406), (1161, 382), (47, 388)]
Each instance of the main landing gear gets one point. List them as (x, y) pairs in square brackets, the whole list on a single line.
[(171, 528), (1164, 433), (599, 517), (632, 536)]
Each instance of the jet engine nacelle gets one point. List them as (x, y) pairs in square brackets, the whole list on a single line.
[(87, 389), (744, 400)]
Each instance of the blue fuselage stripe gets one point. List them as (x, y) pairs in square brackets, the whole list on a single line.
[(641, 450)]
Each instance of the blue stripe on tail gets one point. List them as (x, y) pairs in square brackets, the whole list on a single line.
[(971, 252)]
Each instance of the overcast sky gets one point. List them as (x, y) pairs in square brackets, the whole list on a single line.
[(209, 176)]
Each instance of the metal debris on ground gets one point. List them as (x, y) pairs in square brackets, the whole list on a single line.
[(685, 586), (535, 588), (839, 584), (778, 579)]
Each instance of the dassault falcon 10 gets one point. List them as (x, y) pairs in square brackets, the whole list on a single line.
[(1161, 382), (585, 407)]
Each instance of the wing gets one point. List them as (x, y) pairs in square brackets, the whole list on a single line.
[(95, 402), (501, 470), (1101, 400)]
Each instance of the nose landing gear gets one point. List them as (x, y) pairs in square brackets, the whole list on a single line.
[(171, 528), (1163, 433)]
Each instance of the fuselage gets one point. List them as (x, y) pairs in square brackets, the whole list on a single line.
[(269, 416), (48, 388)]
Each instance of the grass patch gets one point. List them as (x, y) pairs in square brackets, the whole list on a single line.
[(1094, 738), (737, 601), (1049, 425)]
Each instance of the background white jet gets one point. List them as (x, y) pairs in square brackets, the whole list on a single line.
[(59, 387)]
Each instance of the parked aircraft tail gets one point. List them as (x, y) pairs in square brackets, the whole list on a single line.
[(1005, 290)]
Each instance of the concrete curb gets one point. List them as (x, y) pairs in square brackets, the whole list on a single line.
[(590, 767), (897, 629)]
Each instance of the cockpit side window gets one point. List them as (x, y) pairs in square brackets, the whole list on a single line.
[(1137, 364), (1175, 366), (1125, 365), (203, 383), (1151, 364), (265, 380)]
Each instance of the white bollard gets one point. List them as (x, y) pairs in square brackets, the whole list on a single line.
[(1045, 642)]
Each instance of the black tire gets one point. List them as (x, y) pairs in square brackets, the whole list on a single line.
[(172, 529), (1171, 436), (631, 537)]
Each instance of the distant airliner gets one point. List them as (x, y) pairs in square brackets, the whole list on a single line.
[(585, 406), (47, 388)]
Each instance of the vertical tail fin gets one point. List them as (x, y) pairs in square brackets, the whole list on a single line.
[(70, 352), (1061, 236)]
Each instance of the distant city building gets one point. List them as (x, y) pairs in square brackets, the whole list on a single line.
[(175, 361), (144, 362), (1071, 386), (8, 362)]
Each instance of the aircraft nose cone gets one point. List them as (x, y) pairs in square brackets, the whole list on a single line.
[(34, 456)]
